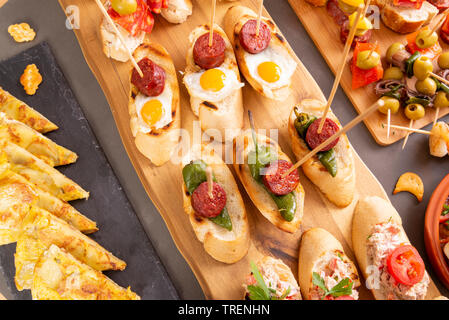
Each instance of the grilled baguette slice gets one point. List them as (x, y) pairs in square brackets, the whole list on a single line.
[(407, 20), (159, 144), (177, 11), (223, 245)]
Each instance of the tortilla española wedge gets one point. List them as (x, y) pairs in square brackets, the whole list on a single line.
[(34, 142), (17, 195), (59, 276), (40, 230), (39, 173), (20, 111)]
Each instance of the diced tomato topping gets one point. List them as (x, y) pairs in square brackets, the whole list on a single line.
[(408, 3), (140, 20), (432, 52), (360, 77), (250, 280), (406, 265), (444, 218)]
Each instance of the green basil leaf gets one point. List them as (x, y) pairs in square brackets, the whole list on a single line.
[(319, 282), (257, 293), (260, 281), (223, 220), (194, 174), (343, 288)]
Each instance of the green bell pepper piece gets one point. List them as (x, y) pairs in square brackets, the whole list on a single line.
[(286, 205), (409, 63), (328, 160)]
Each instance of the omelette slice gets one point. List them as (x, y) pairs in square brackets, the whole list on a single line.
[(26, 137), (39, 173), (17, 195), (40, 230), (59, 276), (20, 111)]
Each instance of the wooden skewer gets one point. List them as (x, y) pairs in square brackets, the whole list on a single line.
[(439, 78), (407, 135), (212, 21), (440, 22), (372, 50), (411, 129), (388, 124), (259, 17), (119, 35), (346, 128), (210, 182), (341, 67), (437, 111)]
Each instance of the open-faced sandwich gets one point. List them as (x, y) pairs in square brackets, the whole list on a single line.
[(265, 59), (176, 11), (215, 207), (332, 169), (212, 79), (324, 270), (133, 20), (439, 139), (260, 164), (59, 276), (271, 279), (40, 146), (154, 109), (20, 111), (392, 267), (40, 230)]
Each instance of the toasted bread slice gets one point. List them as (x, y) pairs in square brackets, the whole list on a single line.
[(316, 243), (340, 189), (223, 245), (278, 276), (177, 11), (39, 173), (113, 47), (37, 144), (407, 20), (59, 276), (40, 230), (243, 145), (158, 144), (17, 195), (222, 120), (234, 19), (20, 111)]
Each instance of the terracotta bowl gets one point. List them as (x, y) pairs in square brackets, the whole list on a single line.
[(431, 231)]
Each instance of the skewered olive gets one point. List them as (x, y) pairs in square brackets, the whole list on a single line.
[(395, 47), (441, 100), (443, 60), (393, 73), (425, 39), (124, 7), (389, 104), (422, 67), (367, 59), (427, 86), (414, 111)]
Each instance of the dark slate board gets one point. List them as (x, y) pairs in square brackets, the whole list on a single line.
[(120, 229)]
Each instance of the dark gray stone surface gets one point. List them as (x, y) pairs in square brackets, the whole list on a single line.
[(387, 163)]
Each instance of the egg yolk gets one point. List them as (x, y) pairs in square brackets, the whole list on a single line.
[(212, 80), (269, 71), (151, 112)]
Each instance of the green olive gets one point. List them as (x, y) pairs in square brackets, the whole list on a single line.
[(441, 100), (422, 67), (395, 47), (393, 73), (389, 104), (426, 39), (124, 7), (427, 86), (443, 60), (367, 59), (414, 111)]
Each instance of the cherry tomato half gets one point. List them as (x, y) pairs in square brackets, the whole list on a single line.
[(405, 265)]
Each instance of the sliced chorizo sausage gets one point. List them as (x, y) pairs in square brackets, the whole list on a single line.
[(206, 206), (153, 81), (274, 181), (208, 57), (314, 139), (251, 42)]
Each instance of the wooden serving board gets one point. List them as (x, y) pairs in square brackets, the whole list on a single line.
[(163, 184), (327, 40)]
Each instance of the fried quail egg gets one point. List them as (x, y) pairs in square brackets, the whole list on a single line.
[(212, 85), (154, 112), (272, 67)]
